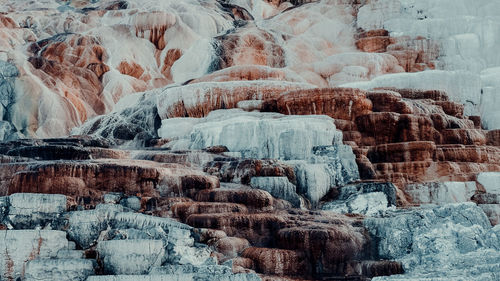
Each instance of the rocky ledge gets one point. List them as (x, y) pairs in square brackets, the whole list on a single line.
[(80, 208)]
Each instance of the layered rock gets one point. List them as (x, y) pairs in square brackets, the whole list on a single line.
[(311, 144), (237, 175), (231, 219), (19, 246), (364, 198), (441, 237), (123, 242)]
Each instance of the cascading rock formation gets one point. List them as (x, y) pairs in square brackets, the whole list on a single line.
[(246, 140)]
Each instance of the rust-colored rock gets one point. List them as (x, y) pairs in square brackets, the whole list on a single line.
[(231, 247), (374, 44), (253, 198), (198, 100), (242, 170), (249, 46), (278, 261), (131, 69), (338, 103), (258, 229), (325, 246), (90, 179), (184, 210), (493, 137), (402, 152)]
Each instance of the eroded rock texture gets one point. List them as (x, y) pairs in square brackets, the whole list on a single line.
[(247, 228), (249, 140)]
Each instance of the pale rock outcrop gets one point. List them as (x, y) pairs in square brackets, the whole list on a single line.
[(177, 277), (131, 256), (59, 269), (364, 198), (28, 210), (264, 135), (278, 187), (8, 75), (310, 143), (438, 240), (329, 166), (462, 87), (19, 246), (490, 182), (441, 192)]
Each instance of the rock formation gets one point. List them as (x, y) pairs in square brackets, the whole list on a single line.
[(247, 140)]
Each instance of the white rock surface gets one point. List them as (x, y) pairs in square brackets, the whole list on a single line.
[(264, 135), (490, 99), (279, 187), (463, 87), (177, 277), (58, 269), (452, 241), (19, 246), (490, 182), (131, 256), (367, 204), (441, 192), (328, 167), (369, 199), (29, 203), (492, 211), (467, 33)]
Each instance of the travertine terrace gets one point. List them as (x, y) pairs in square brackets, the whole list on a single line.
[(246, 140)]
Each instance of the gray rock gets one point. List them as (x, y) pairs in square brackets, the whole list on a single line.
[(387, 188), (84, 227), (19, 246), (112, 197), (490, 181), (329, 167), (368, 204), (178, 277), (70, 254), (189, 268), (110, 207), (155, 233), (133, 203), (8, 75), (29, 210), (364, 198), (492, 211), (278, 187), (181, 254), (341, 160), (58, 269), (134, 257), (4, 207), (455, 240)]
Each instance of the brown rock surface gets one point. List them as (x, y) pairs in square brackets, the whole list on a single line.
[(338, 103), (197, 100), (413, 54)]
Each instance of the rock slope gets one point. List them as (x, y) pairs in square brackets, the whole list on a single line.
[(249, 140)]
